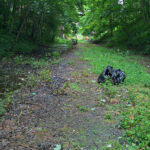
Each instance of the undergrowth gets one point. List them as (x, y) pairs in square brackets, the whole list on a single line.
[(59, 40), (5, 103), (9, 46), (133, 94), (33, 62)]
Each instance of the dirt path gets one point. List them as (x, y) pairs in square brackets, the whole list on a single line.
[(65, 114)]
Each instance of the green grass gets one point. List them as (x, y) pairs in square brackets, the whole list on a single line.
[(34, 63), (83, 108), (100, 57), (56, 54), (59, 40), (135, 101), (75, 87), (5, 103), (45, 75)]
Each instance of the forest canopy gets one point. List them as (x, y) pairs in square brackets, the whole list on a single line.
[(34, 21), (119, 23), (124, 23)]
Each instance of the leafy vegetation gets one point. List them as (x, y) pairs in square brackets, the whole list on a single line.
[(133, 94), (56, 54), (135, 119), (83, 108), (45, 75), (26, 24), (74, 87), (118, 23), (5, 103), (33, 62)]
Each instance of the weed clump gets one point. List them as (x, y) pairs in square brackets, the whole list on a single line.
[(45, 75), (56, 54)]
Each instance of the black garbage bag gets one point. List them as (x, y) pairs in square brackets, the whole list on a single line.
[(117, 76), (74, 42)]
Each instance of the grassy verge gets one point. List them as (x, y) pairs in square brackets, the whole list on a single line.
[(133, 94)]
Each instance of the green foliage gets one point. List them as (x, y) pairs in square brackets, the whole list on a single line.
[(20, 59), (136, 120), (56, 54), (24, 47), (121, 25), (45, 75), (23, 23), (8, 46), (32, 81), (59, 40), (5, 102), (74, 86), (108, 116), (56, 61), (83, 108)]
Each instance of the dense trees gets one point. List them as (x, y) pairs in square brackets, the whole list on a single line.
[(38, 21), (123, 22), (119, 22)]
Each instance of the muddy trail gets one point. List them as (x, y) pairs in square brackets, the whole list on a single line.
[(61, 114)]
